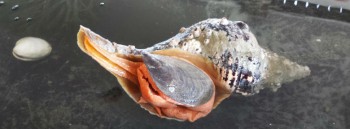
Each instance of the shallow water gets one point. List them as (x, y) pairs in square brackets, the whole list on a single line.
[(70, 90)]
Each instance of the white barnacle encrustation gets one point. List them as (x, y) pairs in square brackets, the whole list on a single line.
[(196, 32), (208, 33), (173, 42), (224, 21), (206, 41), (182, 30)]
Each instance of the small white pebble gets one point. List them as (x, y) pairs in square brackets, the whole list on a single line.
[(16, 18), (31, 49), (15, 7), (29, 19)]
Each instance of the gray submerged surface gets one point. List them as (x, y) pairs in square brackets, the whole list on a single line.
[(68, 89)]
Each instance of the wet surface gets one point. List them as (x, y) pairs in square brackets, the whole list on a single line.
[(70, 90)]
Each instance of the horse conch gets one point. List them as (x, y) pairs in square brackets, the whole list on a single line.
[(188, 75)]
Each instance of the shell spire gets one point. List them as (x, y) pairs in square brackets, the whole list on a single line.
[(282, 70)]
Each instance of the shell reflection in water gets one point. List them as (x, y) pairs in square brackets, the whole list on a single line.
[(188, 75)]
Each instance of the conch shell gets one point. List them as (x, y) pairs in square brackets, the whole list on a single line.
[(188, 75)]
